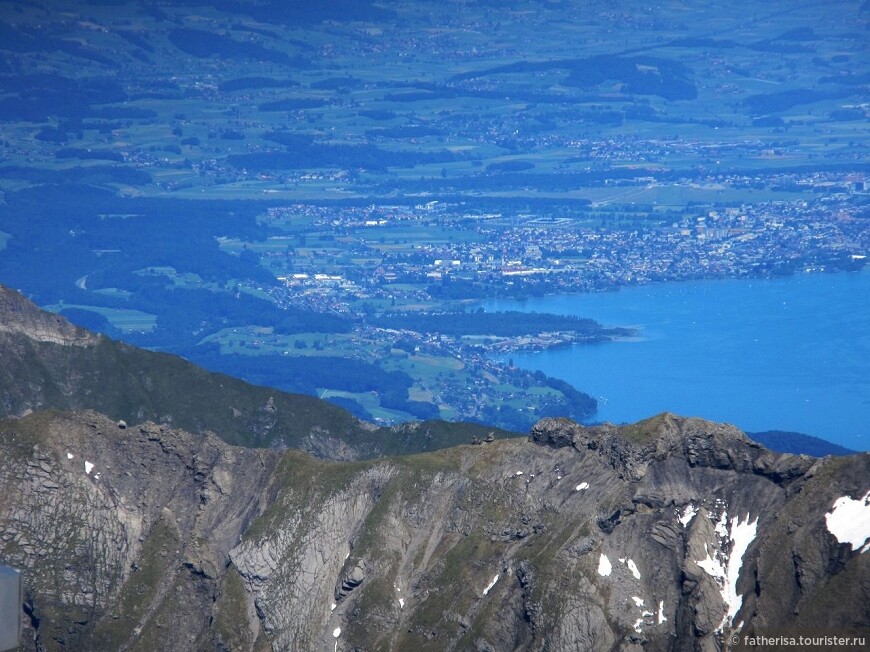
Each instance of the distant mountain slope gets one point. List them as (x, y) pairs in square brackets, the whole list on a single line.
[(669, 534), (798, 443), (49, 363)]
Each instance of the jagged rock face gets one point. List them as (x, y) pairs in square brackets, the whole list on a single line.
[(664, 535)]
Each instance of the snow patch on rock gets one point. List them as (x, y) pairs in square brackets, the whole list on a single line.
[(490, 585), (849, 521), (633, 568), (88, 467), (604, 565), (713, 566), (724, 567), (722, 526), (688, 514)]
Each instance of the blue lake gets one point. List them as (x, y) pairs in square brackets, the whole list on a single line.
[(781, 354)]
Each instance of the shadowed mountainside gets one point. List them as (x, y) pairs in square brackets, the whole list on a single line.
[(50, 364)]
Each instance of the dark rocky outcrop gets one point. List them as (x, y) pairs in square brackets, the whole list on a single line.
[(352, 579), (629, 450)]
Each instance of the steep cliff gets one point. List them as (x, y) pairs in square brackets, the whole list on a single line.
[(122, 533), (669, 534)]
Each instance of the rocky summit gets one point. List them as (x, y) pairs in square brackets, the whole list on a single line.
[(140, 534)]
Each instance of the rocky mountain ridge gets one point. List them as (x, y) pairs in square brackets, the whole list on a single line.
[(666, 535)]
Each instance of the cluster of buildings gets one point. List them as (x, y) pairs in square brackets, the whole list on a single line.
[(440, 250)]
